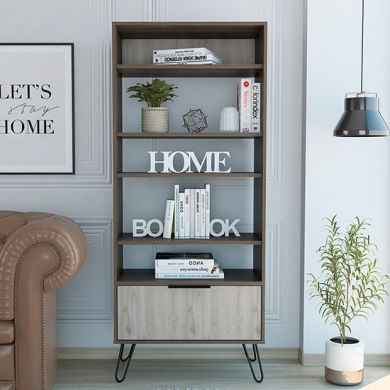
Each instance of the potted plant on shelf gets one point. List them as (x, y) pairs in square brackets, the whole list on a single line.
[(155, 119), (350, 286)]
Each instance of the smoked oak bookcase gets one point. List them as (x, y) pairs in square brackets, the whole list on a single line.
[(189, 311)]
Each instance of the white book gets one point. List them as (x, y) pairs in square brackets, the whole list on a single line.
[(175, 263), (187, 213), (168, 219), (176, 210), (203, 212), (185, 270), (192, 212), (183, 50), (197, 213), (217, 275), (207, 211), (255, 107), (181, 214), (186, 59), (244, 104)]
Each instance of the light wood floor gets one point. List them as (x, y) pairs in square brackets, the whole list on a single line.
[(199, 375)]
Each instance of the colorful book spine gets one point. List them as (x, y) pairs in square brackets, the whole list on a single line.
[(255, 107), (207, 211), (181, 214), (176, 210), (244, 104), (186, 213), (168, 219)]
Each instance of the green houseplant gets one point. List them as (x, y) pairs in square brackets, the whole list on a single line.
[(350, 286), (154, 117)]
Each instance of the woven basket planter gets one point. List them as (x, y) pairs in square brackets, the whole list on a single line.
[(155, 119)]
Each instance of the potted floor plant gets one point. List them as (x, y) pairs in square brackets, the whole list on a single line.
[(155, 119), (350, 286)]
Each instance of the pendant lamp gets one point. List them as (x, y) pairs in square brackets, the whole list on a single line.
[(361, 117)]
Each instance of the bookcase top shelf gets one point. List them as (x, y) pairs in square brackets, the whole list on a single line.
[(244, 239), (223, 70), (182, 134), (144, 276)]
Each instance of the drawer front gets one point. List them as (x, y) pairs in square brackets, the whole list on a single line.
[(215, 313)]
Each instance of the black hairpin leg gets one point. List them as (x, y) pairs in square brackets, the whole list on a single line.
[(127, 359), (256, 356)]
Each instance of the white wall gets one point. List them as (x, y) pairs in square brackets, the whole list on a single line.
[(347, 177), (84, 306)]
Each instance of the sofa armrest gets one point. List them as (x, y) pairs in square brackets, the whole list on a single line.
[(59, 234)]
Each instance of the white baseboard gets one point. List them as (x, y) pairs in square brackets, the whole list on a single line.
[(179, 353)]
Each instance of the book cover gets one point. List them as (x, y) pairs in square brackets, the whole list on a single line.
[(197, 213), (181, 214), (176, 210), (185, 270), (255, 107), (202, 212), (192, 212), (207, 211), (244, 104), (168, 259), (187, 213), (168, 219)]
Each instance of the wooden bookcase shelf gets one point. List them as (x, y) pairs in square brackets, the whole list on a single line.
[(242, 46), (176, 134), (235, 277), (244, 239)]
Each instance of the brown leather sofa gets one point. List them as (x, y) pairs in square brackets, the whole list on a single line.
[(38, 253)]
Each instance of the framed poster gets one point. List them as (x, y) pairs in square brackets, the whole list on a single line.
[(36, 108)]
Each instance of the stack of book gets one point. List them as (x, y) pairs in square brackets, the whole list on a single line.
[(248, 104), (195, 55), (187, 266), (188, 214)]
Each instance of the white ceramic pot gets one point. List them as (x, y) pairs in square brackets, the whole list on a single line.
[(155, 119), (344, 364), (228, 120)]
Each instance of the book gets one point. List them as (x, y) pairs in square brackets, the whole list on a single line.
[(187, 58), (192, 212), (197, 213), (168, 219), (187, 213), (207, 211), (187, 270), (183, 50), (168, 259), (181, 214), (176, 210), (244, 104), (216, 275), (255, 107), (202, 211)]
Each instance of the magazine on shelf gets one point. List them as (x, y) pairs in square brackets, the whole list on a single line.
[(244, 91), (167, 259), (255, 107)]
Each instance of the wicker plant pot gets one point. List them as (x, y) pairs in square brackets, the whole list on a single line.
[(344, 364), (155, 119)]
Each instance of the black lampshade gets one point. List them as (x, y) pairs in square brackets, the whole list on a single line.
[(361, 117)]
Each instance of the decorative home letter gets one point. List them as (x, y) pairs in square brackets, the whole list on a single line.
[(186, 162), (139, 226), (153, 162), (226, 227), (142, 229), (218, 162)]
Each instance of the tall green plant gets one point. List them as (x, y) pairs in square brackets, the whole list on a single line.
[(154, 93), (350, 284)]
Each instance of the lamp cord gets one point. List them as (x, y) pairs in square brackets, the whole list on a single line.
[(362, 51)]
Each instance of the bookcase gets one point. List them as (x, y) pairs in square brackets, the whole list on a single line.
[(188, 311)]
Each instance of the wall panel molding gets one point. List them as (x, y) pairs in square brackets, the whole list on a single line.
[(88, 296)]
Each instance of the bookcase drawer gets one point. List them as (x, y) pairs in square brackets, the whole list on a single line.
[(214, 313)]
